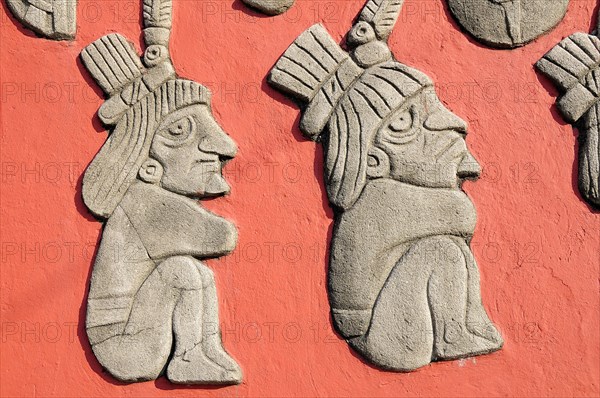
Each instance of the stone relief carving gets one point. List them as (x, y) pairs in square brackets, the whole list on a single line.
[(54, 19), (270, 7), (574, 66), (403, 282), (152, 302), (508, 23)]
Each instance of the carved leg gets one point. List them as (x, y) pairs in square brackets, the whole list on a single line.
[(478, 321), (195, 324), (447, 291), (400, 336), (141, 350), (198, 339), (169, 302), (423, 309), (453, 295), (212, 345)]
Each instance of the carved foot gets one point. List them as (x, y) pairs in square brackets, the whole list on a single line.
[(488, 332), (462, 344), (215, 352), (401, 358), (196, 367)]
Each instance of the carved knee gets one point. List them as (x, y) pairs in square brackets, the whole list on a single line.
[(180, 272), (440, 251), (207, 274), (450, 252)]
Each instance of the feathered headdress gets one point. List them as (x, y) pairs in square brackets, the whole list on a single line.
[(139, 95), (349, 95), (574, 66)]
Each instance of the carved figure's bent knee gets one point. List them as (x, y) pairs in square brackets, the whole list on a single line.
[(178, 300), (422, 311)]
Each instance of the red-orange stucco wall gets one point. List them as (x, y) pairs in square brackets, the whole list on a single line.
[(537, 242)]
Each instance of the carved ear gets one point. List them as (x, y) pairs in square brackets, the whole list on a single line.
[(151, 171), (378, 163)]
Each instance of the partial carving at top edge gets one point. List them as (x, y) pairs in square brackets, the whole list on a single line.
[(53, 19), (574, 66), (508, 23), (270, 7)]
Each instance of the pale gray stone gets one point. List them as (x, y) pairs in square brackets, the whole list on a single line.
[(270, 7), (403, 282), (574, 65), (508, 23), (152, 304), (54, 19)]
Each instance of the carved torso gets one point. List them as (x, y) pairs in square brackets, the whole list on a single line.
[(149, 226), (370, 238)]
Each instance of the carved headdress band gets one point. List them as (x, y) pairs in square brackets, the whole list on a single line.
[(139, 95), (317, 71), (117, 69), (335, 85)]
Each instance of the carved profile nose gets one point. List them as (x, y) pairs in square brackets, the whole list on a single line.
[(468, 167), (445, 120), (219, 143)]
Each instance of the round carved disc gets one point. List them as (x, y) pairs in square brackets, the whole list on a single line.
[(54, 19), (270, 7), (508, 23)]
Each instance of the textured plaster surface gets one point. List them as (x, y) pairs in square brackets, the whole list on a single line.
[(536, 241)]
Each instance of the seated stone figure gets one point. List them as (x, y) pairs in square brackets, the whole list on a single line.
[(403, 283), (152, 303)]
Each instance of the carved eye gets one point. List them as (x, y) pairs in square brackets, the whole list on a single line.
[(401, 123), (401, 129), (179, 130)]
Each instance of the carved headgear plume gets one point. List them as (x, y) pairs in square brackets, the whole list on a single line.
[(139, 96), (348, 95), (574, 66)]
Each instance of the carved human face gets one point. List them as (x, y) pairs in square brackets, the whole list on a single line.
[(423, 144), (191, 149)]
